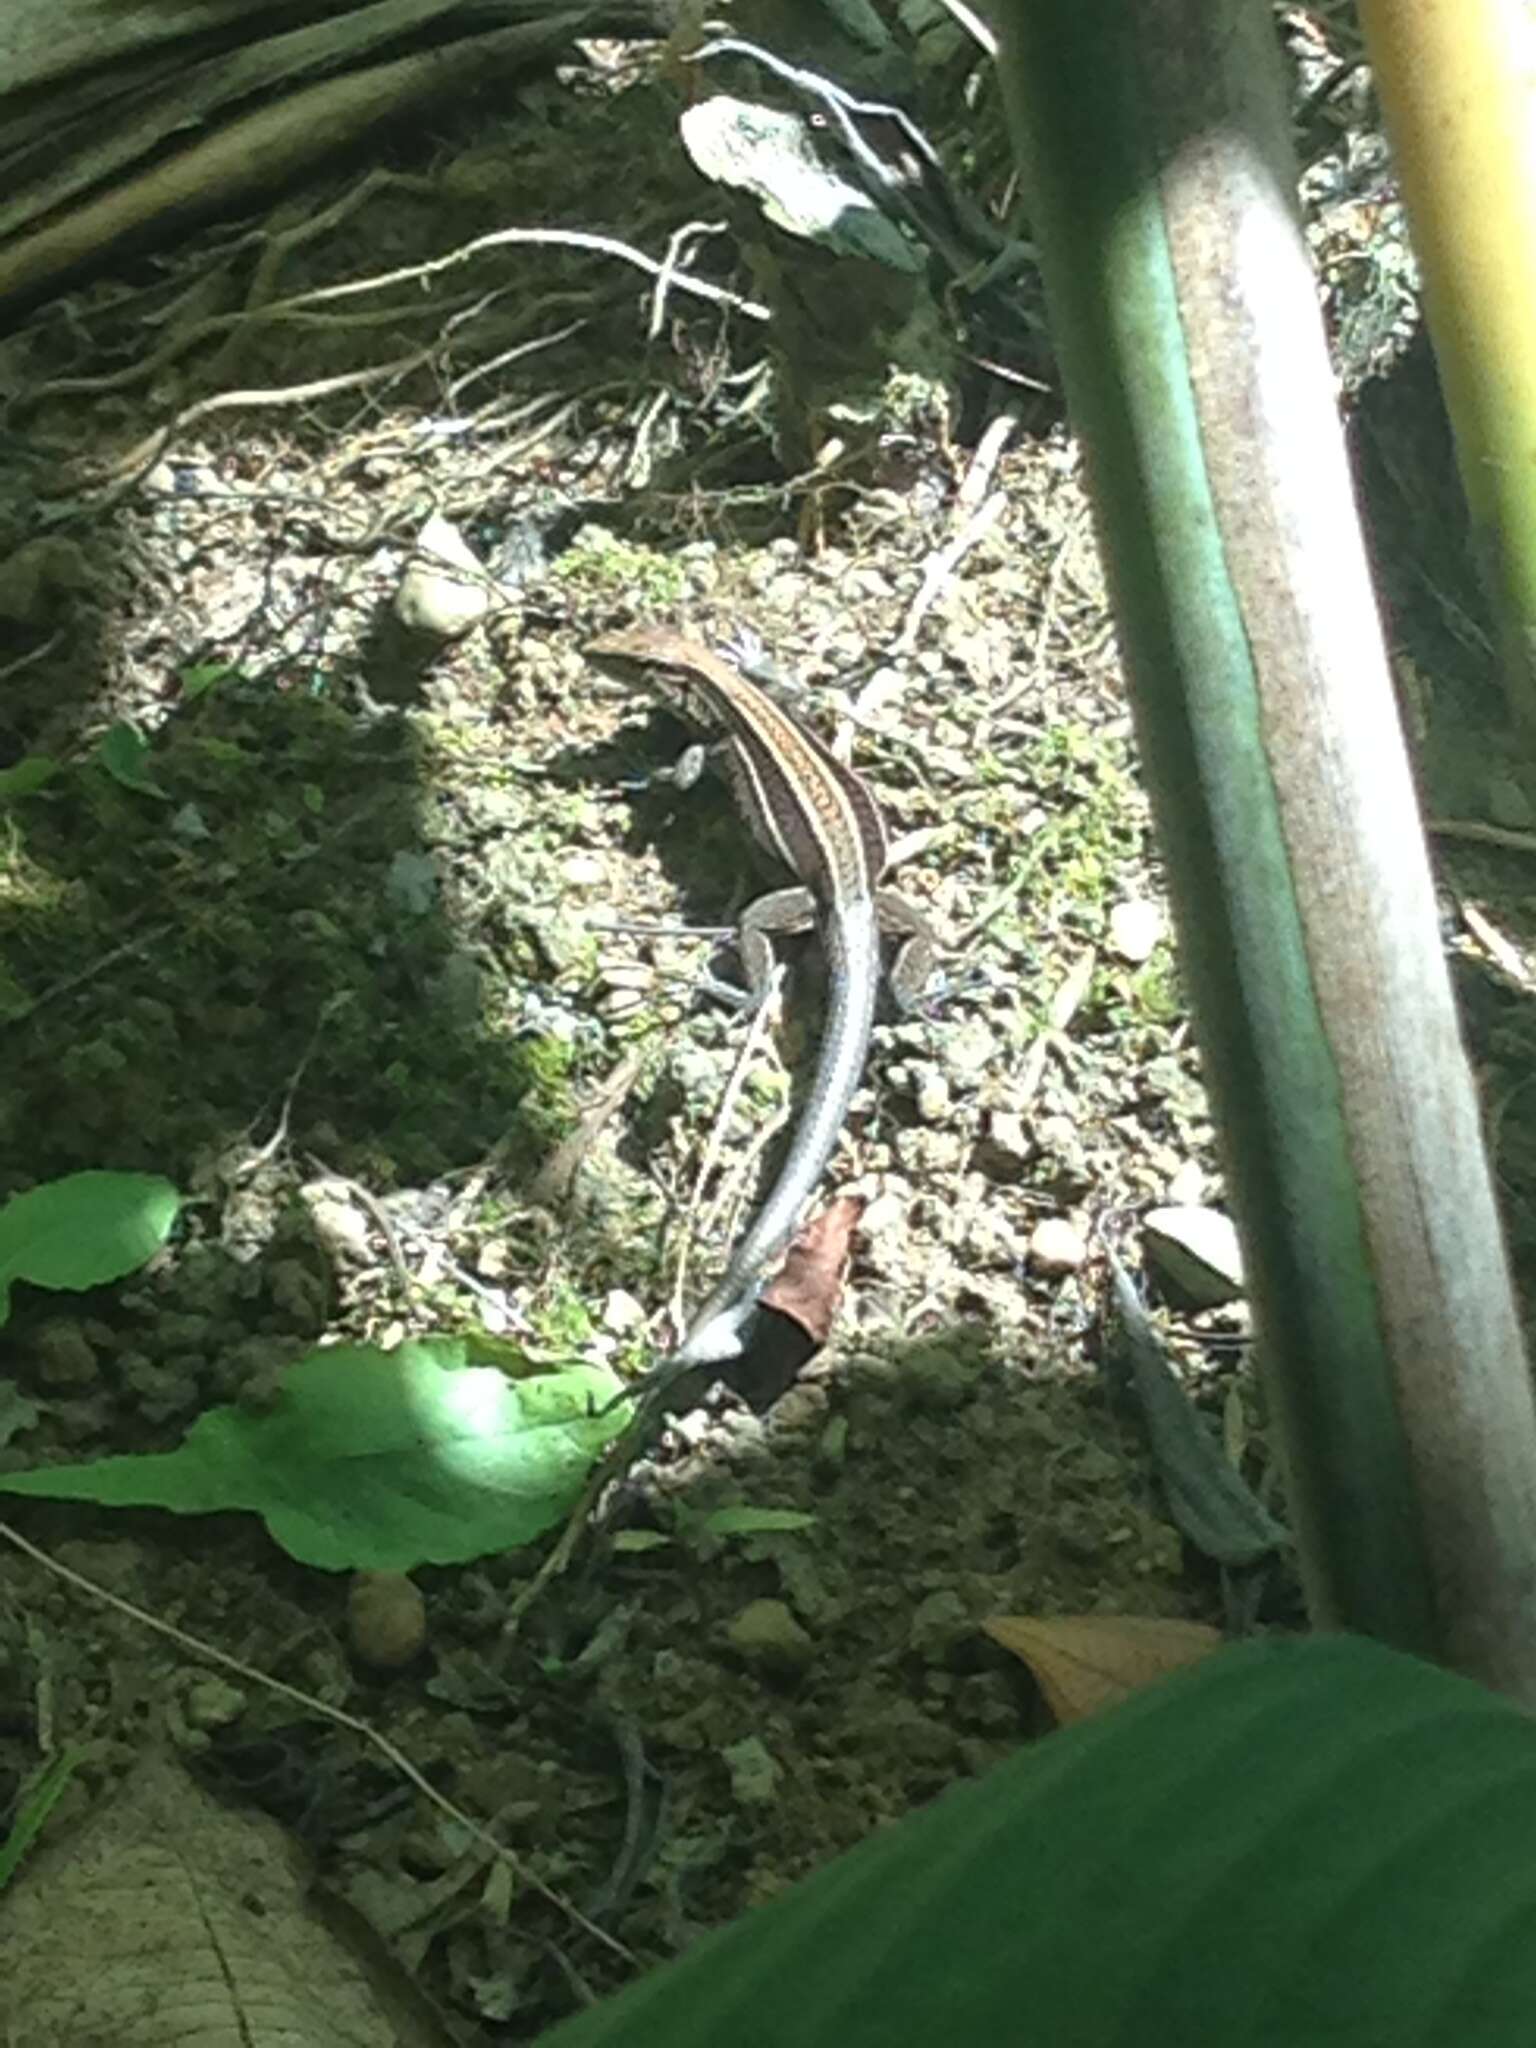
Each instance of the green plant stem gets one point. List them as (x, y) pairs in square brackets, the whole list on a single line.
[(1155, 154), (1457, 80)]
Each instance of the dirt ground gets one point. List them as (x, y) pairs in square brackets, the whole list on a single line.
[(350, 948)]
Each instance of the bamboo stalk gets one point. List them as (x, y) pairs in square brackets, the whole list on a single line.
[(1155, 151), (1457, 80)]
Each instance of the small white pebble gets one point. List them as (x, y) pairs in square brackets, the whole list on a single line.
[(1008, 1137), (932, 1094), (1056, 1247), (622, 1313), (1135, 928), (1186, 1190), (583, 870)]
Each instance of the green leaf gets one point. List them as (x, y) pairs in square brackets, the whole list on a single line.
[(748, 1521), (124, 752), (27, 775), (375, 1460), (201, 676), (17, 1413), (83, 1230), (1290, 1843), (35, 1809)]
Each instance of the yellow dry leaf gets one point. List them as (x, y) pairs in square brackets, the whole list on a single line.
[(1086, 1661)]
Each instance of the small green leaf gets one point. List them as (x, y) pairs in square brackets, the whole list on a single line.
[(201, 676), (747, 1521), (23, 777), (83, 1230), (17, 1413), (35, 1809), (375, 1460), (124, 752)]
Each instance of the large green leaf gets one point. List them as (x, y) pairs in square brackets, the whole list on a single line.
[(377, 1460), (1288, 1845), (83, 1230)]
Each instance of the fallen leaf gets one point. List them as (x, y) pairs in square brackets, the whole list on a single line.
[(811, 1284), (83, 1230), (124, 752), (166, 1918), (375, 1460), (1087, 1661)]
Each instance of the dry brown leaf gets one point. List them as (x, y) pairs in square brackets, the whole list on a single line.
[(811, 1285), (1086, 1661), (197, 1931)]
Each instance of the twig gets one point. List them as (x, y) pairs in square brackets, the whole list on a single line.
[(614, 1463), (459, 385), (756, 1033), (941, 565), (559, 238), (12, 668), (140, 460), (387, 1749), (74, 981), (1008, 374), (280, 1129), (553, 1181), (973, 25), (1037, 667), (651, 1406), (381, 1217), (1484, 835), (977, 481), (677, 243)]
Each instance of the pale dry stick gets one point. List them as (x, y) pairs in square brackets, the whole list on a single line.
[(972, 23), (1483, 835), (613, 1465), (981, 469), (381, 1217), (1503, 952), (638, 467), (205, 330), (85, 974), (559, 238), (254, 1161), (1062, 1008), (1006, 374), (138, 462), (551, 409), (390, 1751), (1048, 615), (513, 451), (12, 668), (677, 247), (519, 349), (548, 411), (941, 566), (556, 1176), (622, 1453), (178, 342), (757, 1033), (279, 244), (45, 1698)]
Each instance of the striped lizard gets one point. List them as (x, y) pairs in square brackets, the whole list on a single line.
[(819, 818)]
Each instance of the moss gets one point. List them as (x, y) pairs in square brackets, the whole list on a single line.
[(598, 564)]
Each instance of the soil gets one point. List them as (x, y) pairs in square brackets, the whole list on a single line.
[(339, 926)]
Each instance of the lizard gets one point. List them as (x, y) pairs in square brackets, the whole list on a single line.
[(819, 818)]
